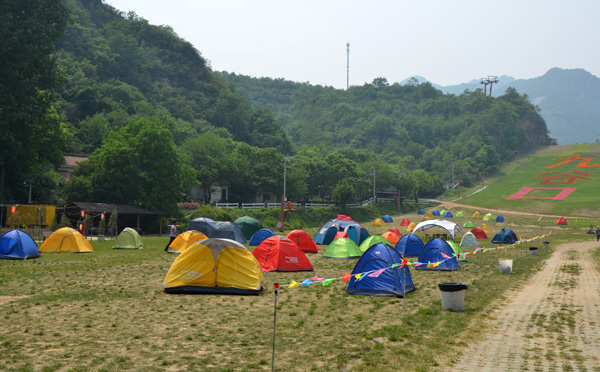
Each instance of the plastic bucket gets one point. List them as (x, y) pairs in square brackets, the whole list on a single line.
[(546, 244), (453, 296), (533, 251), (505, 265)]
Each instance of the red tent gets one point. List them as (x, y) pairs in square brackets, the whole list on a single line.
[(479, 234), (405, 222), (279, 253), (561, 221), (344, 217), (303, 241), (391, 237), (340, 234), (395, 231)]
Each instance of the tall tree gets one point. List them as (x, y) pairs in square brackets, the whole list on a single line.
[(30, 126)]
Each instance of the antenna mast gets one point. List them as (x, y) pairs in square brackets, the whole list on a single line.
[(347, 65)]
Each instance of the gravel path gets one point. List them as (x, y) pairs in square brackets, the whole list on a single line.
[(551, 323)]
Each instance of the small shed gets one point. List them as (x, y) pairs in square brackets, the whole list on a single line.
[(144, 221)]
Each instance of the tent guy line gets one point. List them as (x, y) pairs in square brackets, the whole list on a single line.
[(375, 273)]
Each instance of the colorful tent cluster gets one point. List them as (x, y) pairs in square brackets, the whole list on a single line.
[(17, 245), (129, 239), (66, 240), (215, 266)]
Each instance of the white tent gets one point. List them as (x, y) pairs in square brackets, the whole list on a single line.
[(446, 225), (469, 240)]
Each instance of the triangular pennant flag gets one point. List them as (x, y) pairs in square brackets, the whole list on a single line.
[(377, 273), (327, 281), (345, 277), (444, 255), (317, 279), (404, 262), (429, 265), (395, 265), (358, 276), (307, 282), (294, 284)]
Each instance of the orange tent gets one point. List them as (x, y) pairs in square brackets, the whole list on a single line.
[(391, 237)]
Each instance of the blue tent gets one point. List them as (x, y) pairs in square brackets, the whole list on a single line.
[(260, 235), (448, 214), (504, 236), (432, 252), (500, 218), (217, 229), (421, 211), (391, 282), (436, 213), (387, 218), (327, 232), (17, 245), (410, 245)]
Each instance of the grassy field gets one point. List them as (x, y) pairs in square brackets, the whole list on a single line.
[(531, 171), (105, 311)]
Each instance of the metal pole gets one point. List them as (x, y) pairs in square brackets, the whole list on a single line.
[(404, 294), (284, 178), (276, 285), (374, 196)]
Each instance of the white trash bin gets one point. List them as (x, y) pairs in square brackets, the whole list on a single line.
[(453, 296), (505, 265)]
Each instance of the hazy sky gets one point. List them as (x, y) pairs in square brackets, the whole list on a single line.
[(446, 41)]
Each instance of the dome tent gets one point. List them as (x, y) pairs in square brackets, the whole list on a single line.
[(489, 217), (328, 231), (259, 236), (66, 240), (342, 248), (405, 222), (561, 221), (371, 241), (378, 222), (460, 215), (248, 225), (303, 241), (184, 240), (387, 218), (391, 237), (469, 240), (394, 281), (447, 214), (479, 234), (456, 249), (485, 228), (505, 236), (129, 239), (421, 211), (500, 218), (279, 253), (395, 231), (17, 245), (409, 245), (476, 215), (220, 266), (468, 224), (433, 252), (218, 229), (411, 227), (436, 213)]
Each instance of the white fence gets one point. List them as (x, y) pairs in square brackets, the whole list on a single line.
[(227, 205), (253, 205)]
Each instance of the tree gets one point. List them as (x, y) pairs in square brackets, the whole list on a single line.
[(424, 182), (344, 193), (30, 125), (111, 228)]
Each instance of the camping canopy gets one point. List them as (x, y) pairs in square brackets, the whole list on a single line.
[(371, 241), (500, 218), (218, 229), (184, 240), (328, 231), (303, 241), (436, 250), (279, 253), (405, 222), (387, 218), (378, 222), (479, 234), (343, 248), (66, 240), (505, 236), (451, 227), (469, 240), (391, 282), (129, 239), (248, 225), (489, 217), (561, 221), (409, 245), (217, 266), (17, 245), (259, 236)]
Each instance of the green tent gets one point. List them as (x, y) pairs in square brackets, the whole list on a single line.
[(489, 217), (248, 225), (342, 248), (371, 241), (468, 224), (442, 212), (460, 214), (456, 249), (129, 239)]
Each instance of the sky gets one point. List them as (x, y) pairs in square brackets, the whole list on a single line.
[(446, 41)]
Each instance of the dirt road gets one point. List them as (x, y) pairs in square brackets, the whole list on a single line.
[(552, 323)]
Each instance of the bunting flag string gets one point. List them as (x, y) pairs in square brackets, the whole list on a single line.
[(376, 273)]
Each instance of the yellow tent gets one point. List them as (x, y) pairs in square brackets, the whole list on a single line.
[(476, 215), (219, 266), (378, 222), (66, 240), (485, 228), (427, 215), (185, 239), (411, 227)]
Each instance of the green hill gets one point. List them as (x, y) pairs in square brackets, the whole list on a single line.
[(541, 171)]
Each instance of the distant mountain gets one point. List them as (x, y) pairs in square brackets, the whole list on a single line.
[(568, 100)]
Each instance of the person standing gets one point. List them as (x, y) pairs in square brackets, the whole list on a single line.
[(598, 233), (172, 235)]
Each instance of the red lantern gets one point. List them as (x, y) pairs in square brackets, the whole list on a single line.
[(102, 216), (13, 209), (80, 227), (82, 213)]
